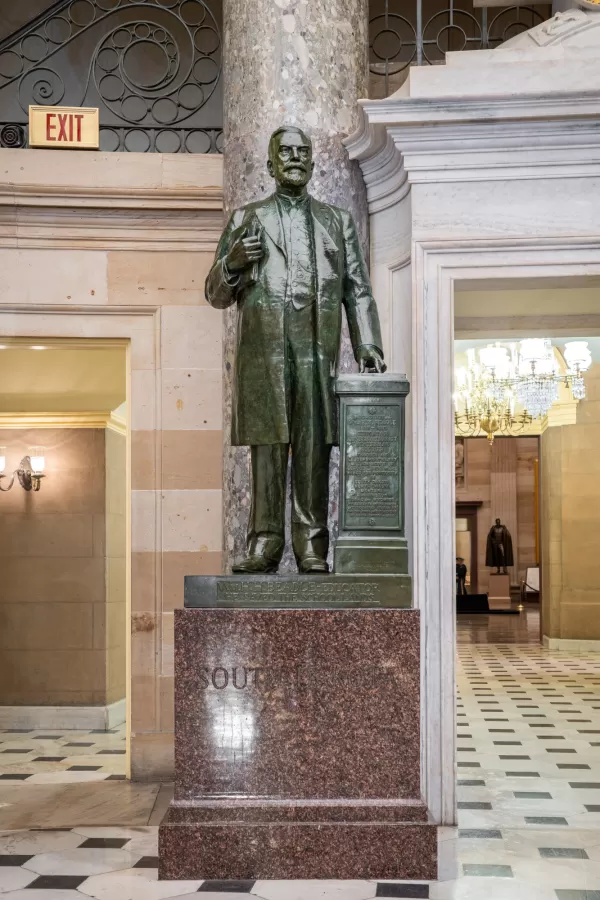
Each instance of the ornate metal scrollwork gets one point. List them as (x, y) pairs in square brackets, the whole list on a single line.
[(12, 136), (153, 68), (401, 37)]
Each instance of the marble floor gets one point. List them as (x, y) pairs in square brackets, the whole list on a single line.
[(62, 757), (528, 726)]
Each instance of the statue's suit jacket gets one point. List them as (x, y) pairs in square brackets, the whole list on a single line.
[(259, 414)]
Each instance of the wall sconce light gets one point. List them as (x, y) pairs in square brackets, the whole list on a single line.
[(30, 471)]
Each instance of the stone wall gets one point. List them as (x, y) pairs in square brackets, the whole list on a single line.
[(52, 586), (109, 245), (570, 514), (502, 479), (116, 564)]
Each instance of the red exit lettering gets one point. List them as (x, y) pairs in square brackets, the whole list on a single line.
[(68, 125)]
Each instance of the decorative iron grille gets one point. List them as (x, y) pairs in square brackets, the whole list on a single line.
[(152, 67), (423, 31)]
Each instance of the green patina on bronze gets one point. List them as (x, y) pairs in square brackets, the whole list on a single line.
[(291, 263), (371, 535)]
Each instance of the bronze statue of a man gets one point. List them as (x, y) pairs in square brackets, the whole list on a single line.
[(290, 262), (499, 550)]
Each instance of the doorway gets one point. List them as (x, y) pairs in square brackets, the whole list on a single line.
[(522, 717), (64, 555)]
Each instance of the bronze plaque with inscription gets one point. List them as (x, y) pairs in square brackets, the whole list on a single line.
[(372, 467), (371, 525)]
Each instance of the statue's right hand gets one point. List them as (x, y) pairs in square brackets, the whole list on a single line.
[(245, 251)]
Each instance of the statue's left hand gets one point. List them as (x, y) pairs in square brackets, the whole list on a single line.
[(370, 359)]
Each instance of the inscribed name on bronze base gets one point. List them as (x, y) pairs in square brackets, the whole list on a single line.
[(296, 592), (290, 263)]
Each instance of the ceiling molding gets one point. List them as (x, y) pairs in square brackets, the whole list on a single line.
[(116, 423), (55, 420)]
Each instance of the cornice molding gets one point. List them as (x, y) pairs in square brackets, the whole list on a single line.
[(405, 141), (55, 216), (55, 420), (116, 423)]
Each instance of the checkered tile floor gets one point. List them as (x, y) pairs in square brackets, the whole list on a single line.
[(528, 790), (61, 757)]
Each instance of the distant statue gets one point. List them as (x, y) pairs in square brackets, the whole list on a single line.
[(499, 551)]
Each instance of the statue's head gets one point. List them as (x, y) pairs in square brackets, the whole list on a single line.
[(497, 521), (290, 157)]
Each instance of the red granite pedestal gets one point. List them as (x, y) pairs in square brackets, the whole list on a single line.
[(297, 747)]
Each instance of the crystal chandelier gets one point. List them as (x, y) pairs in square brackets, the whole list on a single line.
[(490, 387), (484, 402)]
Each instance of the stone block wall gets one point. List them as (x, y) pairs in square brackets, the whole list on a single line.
[(116, 565), (52, 587), (571, 522), (110, 245), (502, 479)]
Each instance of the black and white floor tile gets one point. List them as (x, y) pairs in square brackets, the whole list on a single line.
[(528, 773), (61, 757)]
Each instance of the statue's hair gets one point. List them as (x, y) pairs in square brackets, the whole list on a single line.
[(273, 140)]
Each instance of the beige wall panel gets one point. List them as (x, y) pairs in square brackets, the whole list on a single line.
[(145, 644), (116, 548), (43, 536), (192, 460), (192, 520), (142, 415), (571, 522), (143, 460), (40, 626), (167, 645), (167, 704), (53, 277), (143, 581), (157, 279), (73, 168), (176, 565), (192, 399), (143, 703), (45, 580), (52, 589), (202, 170), (191, 337), (52, 677), (144, 507)]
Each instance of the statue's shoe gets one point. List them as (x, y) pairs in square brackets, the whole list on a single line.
[(255, 564), (313, 565)]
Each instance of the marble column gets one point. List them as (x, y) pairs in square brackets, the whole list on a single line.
[(287, 62)]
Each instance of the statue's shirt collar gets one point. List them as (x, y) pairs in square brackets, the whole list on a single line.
[(291, 202)]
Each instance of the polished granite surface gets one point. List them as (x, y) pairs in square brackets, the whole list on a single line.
[(297, 746), (529, 816)]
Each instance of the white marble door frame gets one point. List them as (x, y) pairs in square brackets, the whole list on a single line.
[(438, 266)]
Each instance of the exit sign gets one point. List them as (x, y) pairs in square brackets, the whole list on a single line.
[(64, 127)]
